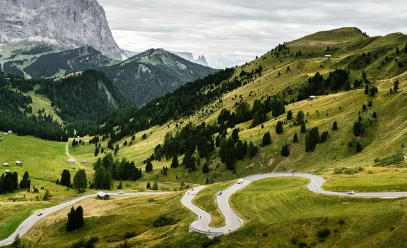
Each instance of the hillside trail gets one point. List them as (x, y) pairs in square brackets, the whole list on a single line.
[(70, 156)]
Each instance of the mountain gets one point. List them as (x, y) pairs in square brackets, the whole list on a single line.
[(61, 24), (190, 57), (153, 73), (364, 78), (66, 62)]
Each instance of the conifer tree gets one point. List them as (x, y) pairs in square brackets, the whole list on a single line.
[(120, 185), (289, 115), (335, 126), (155, 186), (279, 128), (80, 182), (285, 150), (295, 139), (174, 163), (205, 168), (303, 128), (149, 166), (266, 139)]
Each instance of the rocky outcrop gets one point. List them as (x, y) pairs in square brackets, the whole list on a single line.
[(64, 24)]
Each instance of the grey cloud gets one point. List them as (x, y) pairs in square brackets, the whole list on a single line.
[(239, 28)]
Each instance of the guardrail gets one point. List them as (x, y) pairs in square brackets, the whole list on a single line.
[(205, 232)]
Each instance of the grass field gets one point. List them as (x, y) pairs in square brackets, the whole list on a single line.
[(281, 211), (111, 220)]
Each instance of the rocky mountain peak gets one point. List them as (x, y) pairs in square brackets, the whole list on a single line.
[(64, 24)]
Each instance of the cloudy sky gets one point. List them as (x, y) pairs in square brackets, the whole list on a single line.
[(238, 30)]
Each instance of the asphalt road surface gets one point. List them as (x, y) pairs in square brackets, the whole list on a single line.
[(33, 219), (233, 221)]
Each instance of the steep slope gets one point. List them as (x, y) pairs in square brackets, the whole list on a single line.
[(259, 94), (66, 62), (153, 73), (63, 24), (89, 96)]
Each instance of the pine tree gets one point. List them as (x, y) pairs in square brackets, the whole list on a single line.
[(230, 160), (148, 185), (120, 185), (295, 139), (235, 135), (46, 195), (240, 150), (279, 128), (65, 178), (312, 139), (205, 168), (358, 129), (107, 184), (335, 126), (79, 181), (324, 136), (25, 183), (285, 150), (174, 163), (300, 118), (303, 128), (149, 166), (252, 149), (289, 115), (266, 139), (100, 176), (75, 219), (155, 186), (96, 151)]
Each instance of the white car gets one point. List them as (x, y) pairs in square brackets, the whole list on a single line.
[(219, 193), (192, 193), (121, 193), (351, 193), (39, 214), (240, 181)]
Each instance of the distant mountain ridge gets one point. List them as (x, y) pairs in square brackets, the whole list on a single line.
[(153, 73), (190, 57), (62, 24)]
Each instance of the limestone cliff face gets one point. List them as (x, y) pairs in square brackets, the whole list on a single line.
[(67, 24)]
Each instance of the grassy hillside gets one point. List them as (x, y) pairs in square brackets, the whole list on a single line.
[(279, 212), (282, 209), (384, 135)]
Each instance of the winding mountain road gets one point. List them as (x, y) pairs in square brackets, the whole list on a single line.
[(34, 218), (233, 222)]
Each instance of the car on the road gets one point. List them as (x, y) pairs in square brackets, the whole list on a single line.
[(39, 214), (121, 193), (351, 192), (192, 193), (240, 181), (219, 193)]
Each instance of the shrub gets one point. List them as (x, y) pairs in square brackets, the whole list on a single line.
[(163, 221), (294, 241), (129, 235), (324, 233), (264, 234)]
